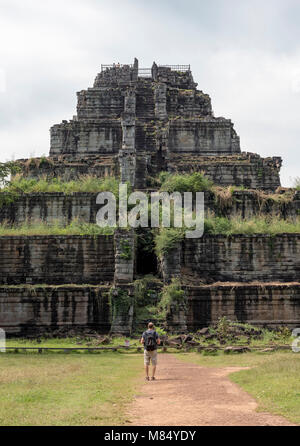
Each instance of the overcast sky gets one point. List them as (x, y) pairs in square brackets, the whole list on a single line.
[(244, 53)]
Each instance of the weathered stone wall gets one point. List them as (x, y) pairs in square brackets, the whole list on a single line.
[(258, 304), (178, 79), (85, 137), (50, 207), (41, 309), (188, 103), (70, 167), (122, 300), (244, 258), (56, 259), (116, 75), (60, 208), (170, 263), (248, 203), (145, 99), (205, 137), (97, 103), (245, 169), (124, 257)]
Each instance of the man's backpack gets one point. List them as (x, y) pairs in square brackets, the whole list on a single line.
[(150, 340)]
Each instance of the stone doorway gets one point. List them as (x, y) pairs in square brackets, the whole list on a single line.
[(146, 259)]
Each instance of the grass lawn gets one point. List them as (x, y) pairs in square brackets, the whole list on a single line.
[(71, 342), (93, 389), (273, 379), (67, 389)]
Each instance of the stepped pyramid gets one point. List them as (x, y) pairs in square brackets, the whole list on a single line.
[(140, 121), (133, 124)]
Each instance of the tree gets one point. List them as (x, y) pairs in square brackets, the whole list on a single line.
[(7, 169)]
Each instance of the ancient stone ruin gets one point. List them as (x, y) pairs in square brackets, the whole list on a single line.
[(133, 124)]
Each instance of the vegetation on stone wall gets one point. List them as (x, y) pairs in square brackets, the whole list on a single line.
[(166, 238), (7, 169), (223, 196), (85, 183), (146, 296), (280, 197), (126, 249), (255, 225), (119, 301), (7, 197), (194, 182), (297, 183), (172, 296), (36, 163), (42, 228), (153, 303)]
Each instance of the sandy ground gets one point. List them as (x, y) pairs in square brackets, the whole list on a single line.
[(190, 395)]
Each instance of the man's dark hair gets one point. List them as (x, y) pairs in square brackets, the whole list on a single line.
[(150, 325)]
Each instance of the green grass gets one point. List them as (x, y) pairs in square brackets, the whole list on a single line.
[(297, 183), (166, 239), (271, 225), (42, 228), (195, 182), (85, 183), (227, 332), (94, 389), (273, 379), (67, 389), (71, 342)]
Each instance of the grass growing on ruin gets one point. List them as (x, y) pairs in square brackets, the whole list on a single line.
[(256, 225), (42, 228), (195, 182), (67, 389), (273, 379), (166, 238), (297, 183), (85, 183)]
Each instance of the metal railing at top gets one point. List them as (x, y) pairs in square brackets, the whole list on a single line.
[(114, 65), (145, 72), (142, 72), (177, 67)]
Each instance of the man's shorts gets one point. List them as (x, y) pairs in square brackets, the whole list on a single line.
[(150, 355)]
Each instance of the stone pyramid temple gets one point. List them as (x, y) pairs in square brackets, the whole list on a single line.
[(139, 121), (133, 124)]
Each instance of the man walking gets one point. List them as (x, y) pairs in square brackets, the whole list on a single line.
[(150, 339)]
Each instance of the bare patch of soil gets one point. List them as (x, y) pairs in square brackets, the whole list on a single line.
[(190, 395)]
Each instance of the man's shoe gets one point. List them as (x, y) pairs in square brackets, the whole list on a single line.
[(147, 378), (153, 378)]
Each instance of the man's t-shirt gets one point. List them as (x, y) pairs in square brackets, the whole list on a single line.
[(155, 337)]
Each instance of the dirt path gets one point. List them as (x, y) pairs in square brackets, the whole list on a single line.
[(190, 395)]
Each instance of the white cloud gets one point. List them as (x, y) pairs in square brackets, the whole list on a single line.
[(2, 81), (246, 55)]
